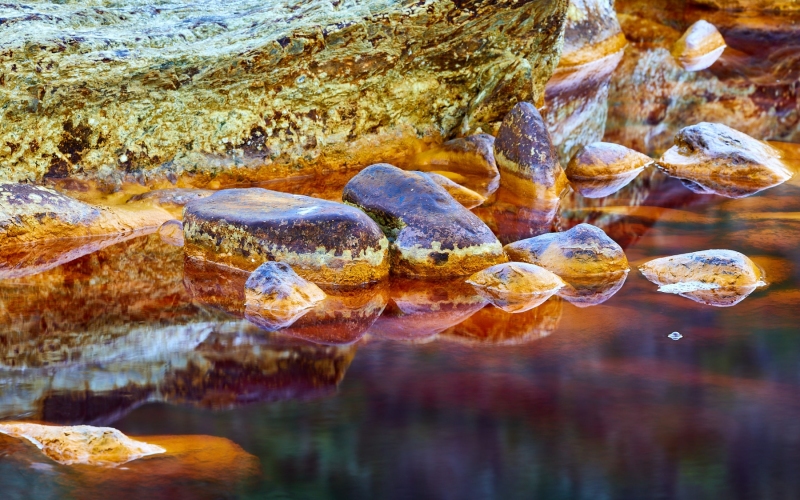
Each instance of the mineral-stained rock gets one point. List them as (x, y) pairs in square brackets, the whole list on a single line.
[(276, 292), (466, 160), (516, 286), (171, 233), (525, 156), (602, 168), (172, 199), (724, 161), (699, 47), (592, 290), (431, 234), (584, 250), (324, 242), (81, 444), (465, 196), (258, 89), (708, 268)]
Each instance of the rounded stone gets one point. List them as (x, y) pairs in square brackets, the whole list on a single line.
[(516, 286), (275, 289), (602, 168), (699, 47)]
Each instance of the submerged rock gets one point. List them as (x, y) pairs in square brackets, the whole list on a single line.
[(431, 234), (276, 292), (467, 197), (699, 47), (602, 168), (81, 444), (171, 233), (323, 241), (725, 161), (516, 286), (592, 290), (469, 161), (526, 158), (715, 277)]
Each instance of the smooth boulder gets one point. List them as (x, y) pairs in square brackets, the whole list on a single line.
[(602, 168), (430, 233), (699, 47), (516, 286), (323, 241), (275, 291), (724, 161)]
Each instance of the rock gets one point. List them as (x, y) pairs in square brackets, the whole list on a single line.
[(466, 160), (592, 290), (601, 168), (173, 199), (725, 161), (171, 233), (516, 286), (583, 251), (715, 277), (467, 197), (528, 163), (276, 292), (431, 234), (257, 90), (82, 444), (324, 242), (699, 47)]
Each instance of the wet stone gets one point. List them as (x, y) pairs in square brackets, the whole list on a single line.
[(602, 168), (467, 197), (699, 47), (431, 234), (171, 233), (172, 199), (275, 291), (516, 286), (715, 158), (582, 251), (528, 162), (469, 161), (323, 241)]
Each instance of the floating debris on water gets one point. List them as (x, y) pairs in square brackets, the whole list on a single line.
[(675, 336)]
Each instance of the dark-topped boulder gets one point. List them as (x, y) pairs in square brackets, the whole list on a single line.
[(325, 242), (430, 233)]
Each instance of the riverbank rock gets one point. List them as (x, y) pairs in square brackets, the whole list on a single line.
[(581, 251), (81, 444), (699, 47), (172, 199), (171, 233), (467, 197), (275, 291), (724, 161), (324, 242), (468, 161), (602, 168), (431, 234), (516, 286), (256, 90), (528, 163)]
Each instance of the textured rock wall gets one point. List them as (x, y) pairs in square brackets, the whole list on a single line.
[(257, 90)]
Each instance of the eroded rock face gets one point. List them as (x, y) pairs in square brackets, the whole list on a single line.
[(715, 277), (324, 242), (699, 47), (516, 286), (275, 290), (468, 161), (431, 234), (81, 444), (467, 197), (255, 90), (602, 168), (724, 161)]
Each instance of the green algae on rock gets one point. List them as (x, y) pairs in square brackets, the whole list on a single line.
[(431, 234), (325, 242), (258, 90)]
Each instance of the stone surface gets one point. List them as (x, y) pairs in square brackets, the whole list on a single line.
[(255, 89), (276, 292), (171, 233), (602, 168), (582, 251), (528, 163), (592, 290), (466, 160), (323, 241), (172, 199), (430, 233), (724, 161), (83, 444), (699, 47), (516, 286), (467, 197)]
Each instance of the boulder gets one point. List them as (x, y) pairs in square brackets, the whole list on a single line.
[(516, 286), (259, 90), (582, 251), (724, 161), (469, 161), (602, 168), (430, 233), (323, 241), (467, 197), (171, 233), (699, 47), (276, 292)]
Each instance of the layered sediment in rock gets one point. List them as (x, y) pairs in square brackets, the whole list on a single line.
[(258, 90)]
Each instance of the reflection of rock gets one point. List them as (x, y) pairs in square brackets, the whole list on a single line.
[(171, 233), (275, 292), (601, 168), (516, 286), (592, 290), (431, 234), (172, 199), (492, 325), (323, 241), (467, 197), (81, 444), (466, 160), (724, 161), (418, 310), (699, 47), (512, 221)]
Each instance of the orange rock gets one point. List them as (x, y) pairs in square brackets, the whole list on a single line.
[(699, 47), (516, 286), (171, 233), (467, 197), (466, 160), (492, 325), (601, 168), (277, 293)]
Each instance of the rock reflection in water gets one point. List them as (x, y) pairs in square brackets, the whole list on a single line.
[(592, 290), (512, 220)]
